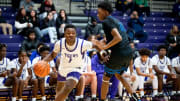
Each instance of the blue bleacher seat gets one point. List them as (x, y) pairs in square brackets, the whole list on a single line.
[(155, 39), (144, 45), (155, 32), (13, 47), (11, 39), (12, 55)]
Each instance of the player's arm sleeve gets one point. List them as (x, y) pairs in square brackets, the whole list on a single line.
[(29, 64), (154, 61), (57, 47), (136, 63), (168, 61), (174, 63), (86, 45), (150, 64), (11, 65)]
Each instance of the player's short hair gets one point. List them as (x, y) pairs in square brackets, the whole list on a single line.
[(161, 47), (2, 45), (144, 51), (69, 26), (41, 43), (106, 6), (44, 48), (21, 51)]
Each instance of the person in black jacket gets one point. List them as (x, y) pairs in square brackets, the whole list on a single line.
[(21, 22), (93, 29), (61, 22), (36, 23), (173, 41), (49, 27), (47, 6), (136, 24), (30, 44)]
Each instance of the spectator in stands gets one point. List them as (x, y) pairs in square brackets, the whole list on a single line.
[(21, 22), (136, 23), (36, 52), (30, 43), (27, 5), (49, 27), (143, 7), (35, 22), (23, 67), (162, 66), (61, 22), (173, 41), (93, 28), (44, 51), (176, 9), (47, 6), (126, 6), (5, 25)]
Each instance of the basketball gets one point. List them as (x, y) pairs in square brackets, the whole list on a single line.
[(41, 68)]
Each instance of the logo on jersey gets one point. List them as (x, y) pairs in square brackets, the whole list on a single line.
[(70, 56)]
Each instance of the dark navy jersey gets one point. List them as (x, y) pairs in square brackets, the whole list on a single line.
[(121, 53)]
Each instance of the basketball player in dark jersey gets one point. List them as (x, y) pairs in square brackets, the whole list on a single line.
[(117, 42)]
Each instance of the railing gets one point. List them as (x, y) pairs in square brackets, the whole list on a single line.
[(5, 2)]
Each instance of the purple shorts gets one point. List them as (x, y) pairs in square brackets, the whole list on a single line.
[(72, 75)]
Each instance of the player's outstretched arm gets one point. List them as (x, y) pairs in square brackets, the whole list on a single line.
[(116, 39), (50, 57)]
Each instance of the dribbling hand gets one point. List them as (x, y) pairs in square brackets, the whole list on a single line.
[(100, 45)]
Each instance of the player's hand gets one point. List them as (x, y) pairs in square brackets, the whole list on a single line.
[(173, 75), (133, 78), (93, 73), (14, 74), (25, 83), (4, 73), (100, 45), (151, 76)]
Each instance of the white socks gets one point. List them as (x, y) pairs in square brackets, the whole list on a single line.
[(77, 97), (94, 96), (155, 92), (20, 99), (33, 99), (178, 91), (44, 98), (173, 92), (13, 98), (160, 93), (142, 93), (81, 96)]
